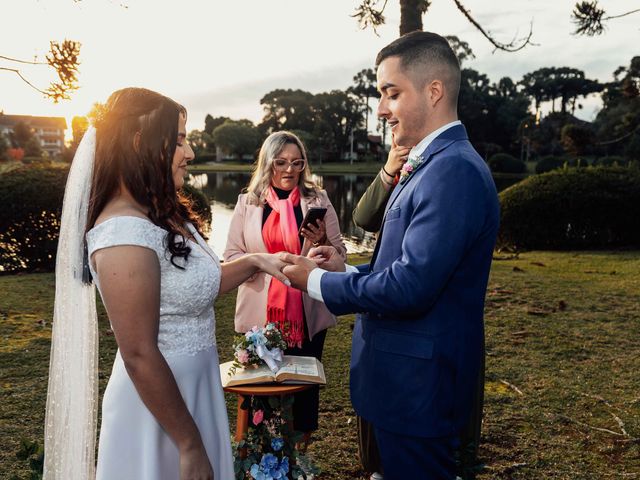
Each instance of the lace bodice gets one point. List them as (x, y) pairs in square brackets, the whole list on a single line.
[(187, 320)]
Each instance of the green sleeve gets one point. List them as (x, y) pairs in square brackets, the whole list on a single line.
[(369, 212)]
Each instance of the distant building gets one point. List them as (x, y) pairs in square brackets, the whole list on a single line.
[(49, 130)]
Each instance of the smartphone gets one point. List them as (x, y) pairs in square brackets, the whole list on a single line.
[(313, 214)]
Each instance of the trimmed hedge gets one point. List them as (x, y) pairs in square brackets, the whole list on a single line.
[(505, 163), (31, 199), (612, 160), (572, 209), (550, 163)]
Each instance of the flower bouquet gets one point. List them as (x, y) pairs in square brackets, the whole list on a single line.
[(258, 346), (268, 451)]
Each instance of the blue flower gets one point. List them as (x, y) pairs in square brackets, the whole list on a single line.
[(257, 473), (277, 444)]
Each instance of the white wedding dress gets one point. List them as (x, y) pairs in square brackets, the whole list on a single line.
[(133, 445)]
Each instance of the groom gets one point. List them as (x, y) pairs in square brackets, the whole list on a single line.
[(418, 337)]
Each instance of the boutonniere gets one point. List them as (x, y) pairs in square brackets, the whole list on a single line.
[(408, 168)]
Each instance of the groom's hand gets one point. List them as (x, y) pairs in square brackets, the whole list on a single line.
[(298, 269), (328, 258)]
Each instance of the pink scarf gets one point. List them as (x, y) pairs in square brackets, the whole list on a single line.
[(280, 233)]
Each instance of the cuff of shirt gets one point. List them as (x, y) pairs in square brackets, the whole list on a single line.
[(313, 284), (314, 289)]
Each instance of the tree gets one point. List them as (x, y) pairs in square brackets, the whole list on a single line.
[(618, 123), (287, 110), (198, 141), (411, 11), (492, 113), (237, 137), (536, 86), (4, 146), (341, 113), (590, 19), (63, 58), (22, 133), (33, 148), (79, 125), (461, 48), (210, 123), (576, 139), (364, 89)]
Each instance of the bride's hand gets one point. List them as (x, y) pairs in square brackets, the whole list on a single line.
[(271, 264), (195, 465)]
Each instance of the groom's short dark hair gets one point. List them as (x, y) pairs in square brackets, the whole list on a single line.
[(426, 56)]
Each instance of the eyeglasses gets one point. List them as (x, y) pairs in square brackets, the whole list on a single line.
[(282, 165)]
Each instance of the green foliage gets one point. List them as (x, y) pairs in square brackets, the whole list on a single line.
[(611, 161), (22, 133), (30, 218), (576, 139), (237, 137), (491, 112), (31, 199), (548, 163), (200, 203), (33, 148), (4, 146), (572, 209), (505, 163), (329, 117), (274, 421)]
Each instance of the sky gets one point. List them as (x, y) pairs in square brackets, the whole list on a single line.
[(221, 57)]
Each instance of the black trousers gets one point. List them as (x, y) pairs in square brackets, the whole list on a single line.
[(306, 404)]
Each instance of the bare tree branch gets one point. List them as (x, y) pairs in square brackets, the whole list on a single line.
[(17, 60), (17, 72), (64, 59), (513, 46), (589, 18)]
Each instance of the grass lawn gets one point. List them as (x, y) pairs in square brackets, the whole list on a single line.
[(563, 382)]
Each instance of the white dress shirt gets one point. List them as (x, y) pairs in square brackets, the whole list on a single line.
[(315, 277)]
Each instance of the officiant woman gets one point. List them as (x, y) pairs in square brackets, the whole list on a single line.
[(267, 218)]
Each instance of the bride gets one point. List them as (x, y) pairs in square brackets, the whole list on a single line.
[(163, 411)]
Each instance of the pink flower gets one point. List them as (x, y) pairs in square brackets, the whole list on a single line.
[(407, 168), (242, 356), (258, 415)]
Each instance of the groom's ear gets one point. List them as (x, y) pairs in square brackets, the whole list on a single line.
[(435, 92)]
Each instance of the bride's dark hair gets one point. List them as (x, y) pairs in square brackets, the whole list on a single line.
[(136, 136)]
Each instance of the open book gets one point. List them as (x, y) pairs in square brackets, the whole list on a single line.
[(294, 370)]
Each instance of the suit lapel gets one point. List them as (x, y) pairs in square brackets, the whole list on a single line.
[(441, 142)]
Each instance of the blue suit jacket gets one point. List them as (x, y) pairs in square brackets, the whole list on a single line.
[(417, 341)]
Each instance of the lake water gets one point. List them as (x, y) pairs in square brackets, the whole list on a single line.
[(344, 191)]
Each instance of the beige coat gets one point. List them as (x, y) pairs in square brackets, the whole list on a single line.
[(245, 236)]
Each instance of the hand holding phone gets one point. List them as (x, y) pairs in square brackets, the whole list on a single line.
[(313, 214)]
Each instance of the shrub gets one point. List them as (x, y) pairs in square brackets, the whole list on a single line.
[(572, 209), (612, 160), (16, 154), (505, 163), (200, 203), (547, 164), (31, 199)]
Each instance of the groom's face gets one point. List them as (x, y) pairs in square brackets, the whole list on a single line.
[(404, 106)]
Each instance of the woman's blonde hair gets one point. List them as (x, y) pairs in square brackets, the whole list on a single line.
[(263, 172)]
